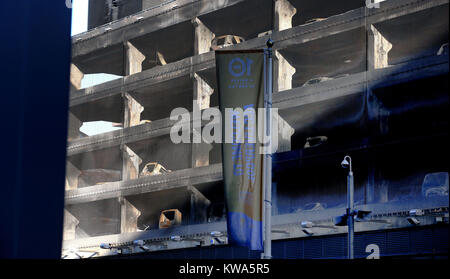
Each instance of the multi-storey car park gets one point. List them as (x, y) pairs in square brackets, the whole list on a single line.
[(348, 79)]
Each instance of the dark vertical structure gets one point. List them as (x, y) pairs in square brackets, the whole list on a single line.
[(35, 57), (105, 11)]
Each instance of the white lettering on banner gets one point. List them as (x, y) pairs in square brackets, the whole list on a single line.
[(240, 127)]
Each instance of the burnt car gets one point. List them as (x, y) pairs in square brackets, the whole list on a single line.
[(153, 168), (225, 40)]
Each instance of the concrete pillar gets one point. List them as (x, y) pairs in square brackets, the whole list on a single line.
[(133, 59), (202, 37), (202, 93), (383, 191), (132, 111), (199, 205), (285, 132), (369, 191), (160, 60), (75, 77), (72, 174), (130, 170), (283, 73), (200, 154), (70, 226), (378, 48), (377, 112), (130, 163), (128, 216), (74, 127), (284, 12)]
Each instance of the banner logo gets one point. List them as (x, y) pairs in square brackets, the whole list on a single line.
[(238, 67)]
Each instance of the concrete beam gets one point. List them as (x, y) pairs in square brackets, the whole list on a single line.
[(175, 180), (70, 226), (284, 12), (75, 77), (283, 72), (354, 19), (156, 75), (145, 22), (360, 82), (202, 37), (289, 222), (285, 100), (133, 59), (128, 216), (378, 48), (116, 138), (130, 163), (294, 36), (132, 111)]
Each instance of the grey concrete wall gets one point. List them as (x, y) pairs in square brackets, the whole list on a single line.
[(101, 11), (146, 4), (129, 7), (98, 13)]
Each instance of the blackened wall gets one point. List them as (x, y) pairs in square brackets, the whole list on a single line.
[(431, 241)]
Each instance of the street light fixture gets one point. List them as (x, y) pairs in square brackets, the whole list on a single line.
[(347, 162)]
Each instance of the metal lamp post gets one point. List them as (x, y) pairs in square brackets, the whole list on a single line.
[(347, 163), (268, 157)]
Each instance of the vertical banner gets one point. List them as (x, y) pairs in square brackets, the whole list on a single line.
[(241, 92)]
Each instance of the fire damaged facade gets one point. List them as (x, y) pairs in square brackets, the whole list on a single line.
[(349, 79)]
